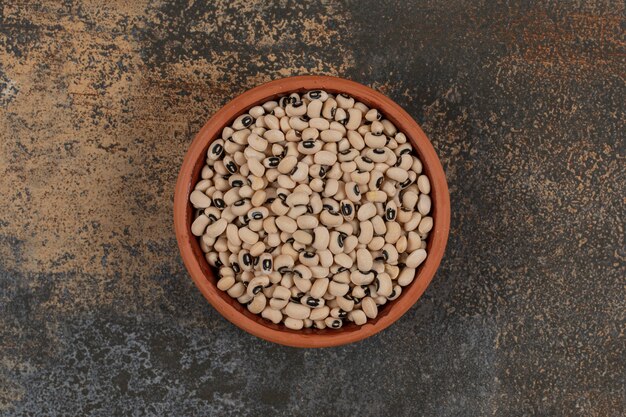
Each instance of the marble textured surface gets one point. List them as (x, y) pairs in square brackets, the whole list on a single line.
[(523, 101)]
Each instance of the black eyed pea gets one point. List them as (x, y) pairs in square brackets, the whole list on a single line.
[(325, 158), (237, 290), (423, 184), (302, 271), (394, 231), (401, 244), (312, 302), (326, 258), (319, 123), (365, 165), (330, 135), (216, 228), (376, 128), (271, 314), (341, 116), (366, 212), (364, 259), (395, 293), (245, 299), (397, 174), (266, 261), (256, 285), (279, 207), (329, 108), (199, 199), (243, 121), (406, 276), (297, 311), (337, 312), (361, 278), (377, 156), (344, 101), (425, 225), (373, 115), (392, 270), (240, 137), (376, 181), (319, 324), (199, 225), (354, 119), (257, 142), (286, 224), (358, 317), (309, 147), (330, 219), (284, 124), (389, 128), (319, 271), (283, 263), (226, 282), (404, 162), (369, 307), (391, 211), (319, 313), (257, 250), (343, 260), (359, 291), (207, 172), (373, 140), (347, 209), (321, 237), (338, 289), (307, 222), (310, 133), (390, 254), (314, 109), (227, 132), (353, 192), (216, 150), (350, 243), (303, 237), (345, 304), (319, 288), (297, 108), (413, 222), (360, 177), (320, 95), (415, 258), (376, 196), (258, 213), (297, 124), (241, 207), (297, 199), (423, 204), (385, 284), (303, 285), (271, 163), (293, 324), (333, 323), (404, 215), (213, 259), (309, 258), (366, 232)]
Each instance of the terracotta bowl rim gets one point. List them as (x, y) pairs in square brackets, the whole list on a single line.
[(205, 278)]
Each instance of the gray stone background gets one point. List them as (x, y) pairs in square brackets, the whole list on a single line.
[(523, 101)]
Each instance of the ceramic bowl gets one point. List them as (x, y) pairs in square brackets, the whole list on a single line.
[(205, 277)]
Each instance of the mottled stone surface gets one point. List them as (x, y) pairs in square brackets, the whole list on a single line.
[(523, 103)]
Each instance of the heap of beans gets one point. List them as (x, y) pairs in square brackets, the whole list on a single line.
[(315, 210)]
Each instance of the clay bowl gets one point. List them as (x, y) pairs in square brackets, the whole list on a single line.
[(205, 277)]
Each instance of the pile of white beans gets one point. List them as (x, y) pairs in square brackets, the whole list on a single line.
[(315, 210)]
